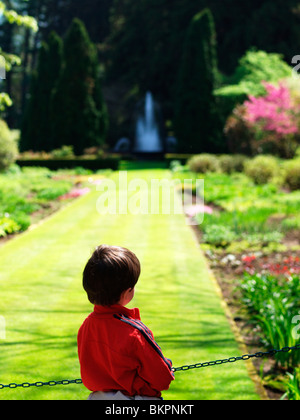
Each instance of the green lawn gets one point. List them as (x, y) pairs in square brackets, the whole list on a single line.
[(43, 302)]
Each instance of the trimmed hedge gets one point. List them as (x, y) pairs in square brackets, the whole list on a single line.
[(55, 164)]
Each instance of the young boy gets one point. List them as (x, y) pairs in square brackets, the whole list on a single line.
[(118, 356)]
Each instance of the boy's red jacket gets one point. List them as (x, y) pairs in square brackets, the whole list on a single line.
[(117, 352)]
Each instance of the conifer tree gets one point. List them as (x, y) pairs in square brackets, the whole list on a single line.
[(196, 119), (36, 129), (78, 113)]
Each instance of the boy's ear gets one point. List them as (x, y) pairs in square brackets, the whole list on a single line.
[(126, 296), (126, 292)]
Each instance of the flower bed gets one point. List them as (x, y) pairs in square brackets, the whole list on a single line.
[(263, 292)]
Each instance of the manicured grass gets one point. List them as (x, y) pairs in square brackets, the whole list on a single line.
[(43, 302)]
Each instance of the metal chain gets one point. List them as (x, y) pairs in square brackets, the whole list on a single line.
[(175, 369), (39, 384), (236, 359)]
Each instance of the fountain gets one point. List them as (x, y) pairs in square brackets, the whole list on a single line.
[(147, 135)]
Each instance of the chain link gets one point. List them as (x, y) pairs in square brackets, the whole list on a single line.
[(175, 369)]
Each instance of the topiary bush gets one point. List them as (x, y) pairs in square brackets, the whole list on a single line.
[(262, 169), (292, 174), (203, 163), (232, 163)]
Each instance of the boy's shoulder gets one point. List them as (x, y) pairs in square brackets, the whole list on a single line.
[(144, 334), (135, 323), (142, 331)]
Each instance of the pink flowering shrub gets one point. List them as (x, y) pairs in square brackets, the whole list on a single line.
[(275, 120), (268, 124), (273, 112)]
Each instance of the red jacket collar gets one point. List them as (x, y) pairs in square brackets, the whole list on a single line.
[(117, 309)]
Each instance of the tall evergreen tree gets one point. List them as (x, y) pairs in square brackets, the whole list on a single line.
[(36, 129), (29, 135), (196, 119), (78, 113)]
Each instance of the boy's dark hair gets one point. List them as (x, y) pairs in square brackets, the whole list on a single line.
[(109, 272)]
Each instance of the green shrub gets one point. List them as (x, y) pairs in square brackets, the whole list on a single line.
[(253, 67), (52, 193), (8, 146), (232, 163), (292, 174), (23, 220), (65, 152), (291, 223), (8, 226), (203, 163), (218, 235), (262, 169)]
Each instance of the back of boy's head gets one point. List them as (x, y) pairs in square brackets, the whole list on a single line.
[(110, 271)]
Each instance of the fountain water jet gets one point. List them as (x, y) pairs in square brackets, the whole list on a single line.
[(147, 130)]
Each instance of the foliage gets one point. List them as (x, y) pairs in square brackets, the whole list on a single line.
[(196, 120), (245, 215), (232, 163), (262, 169), (20, 20), (23, 192), (11, 59), (5, 101), (253, 67), (65, 152), (203, 163), (293, 386), (292, 174), (273, 304), (78, 112), (8, 146), (291, 223), (222, 228), (218, 235), (8, 226)]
